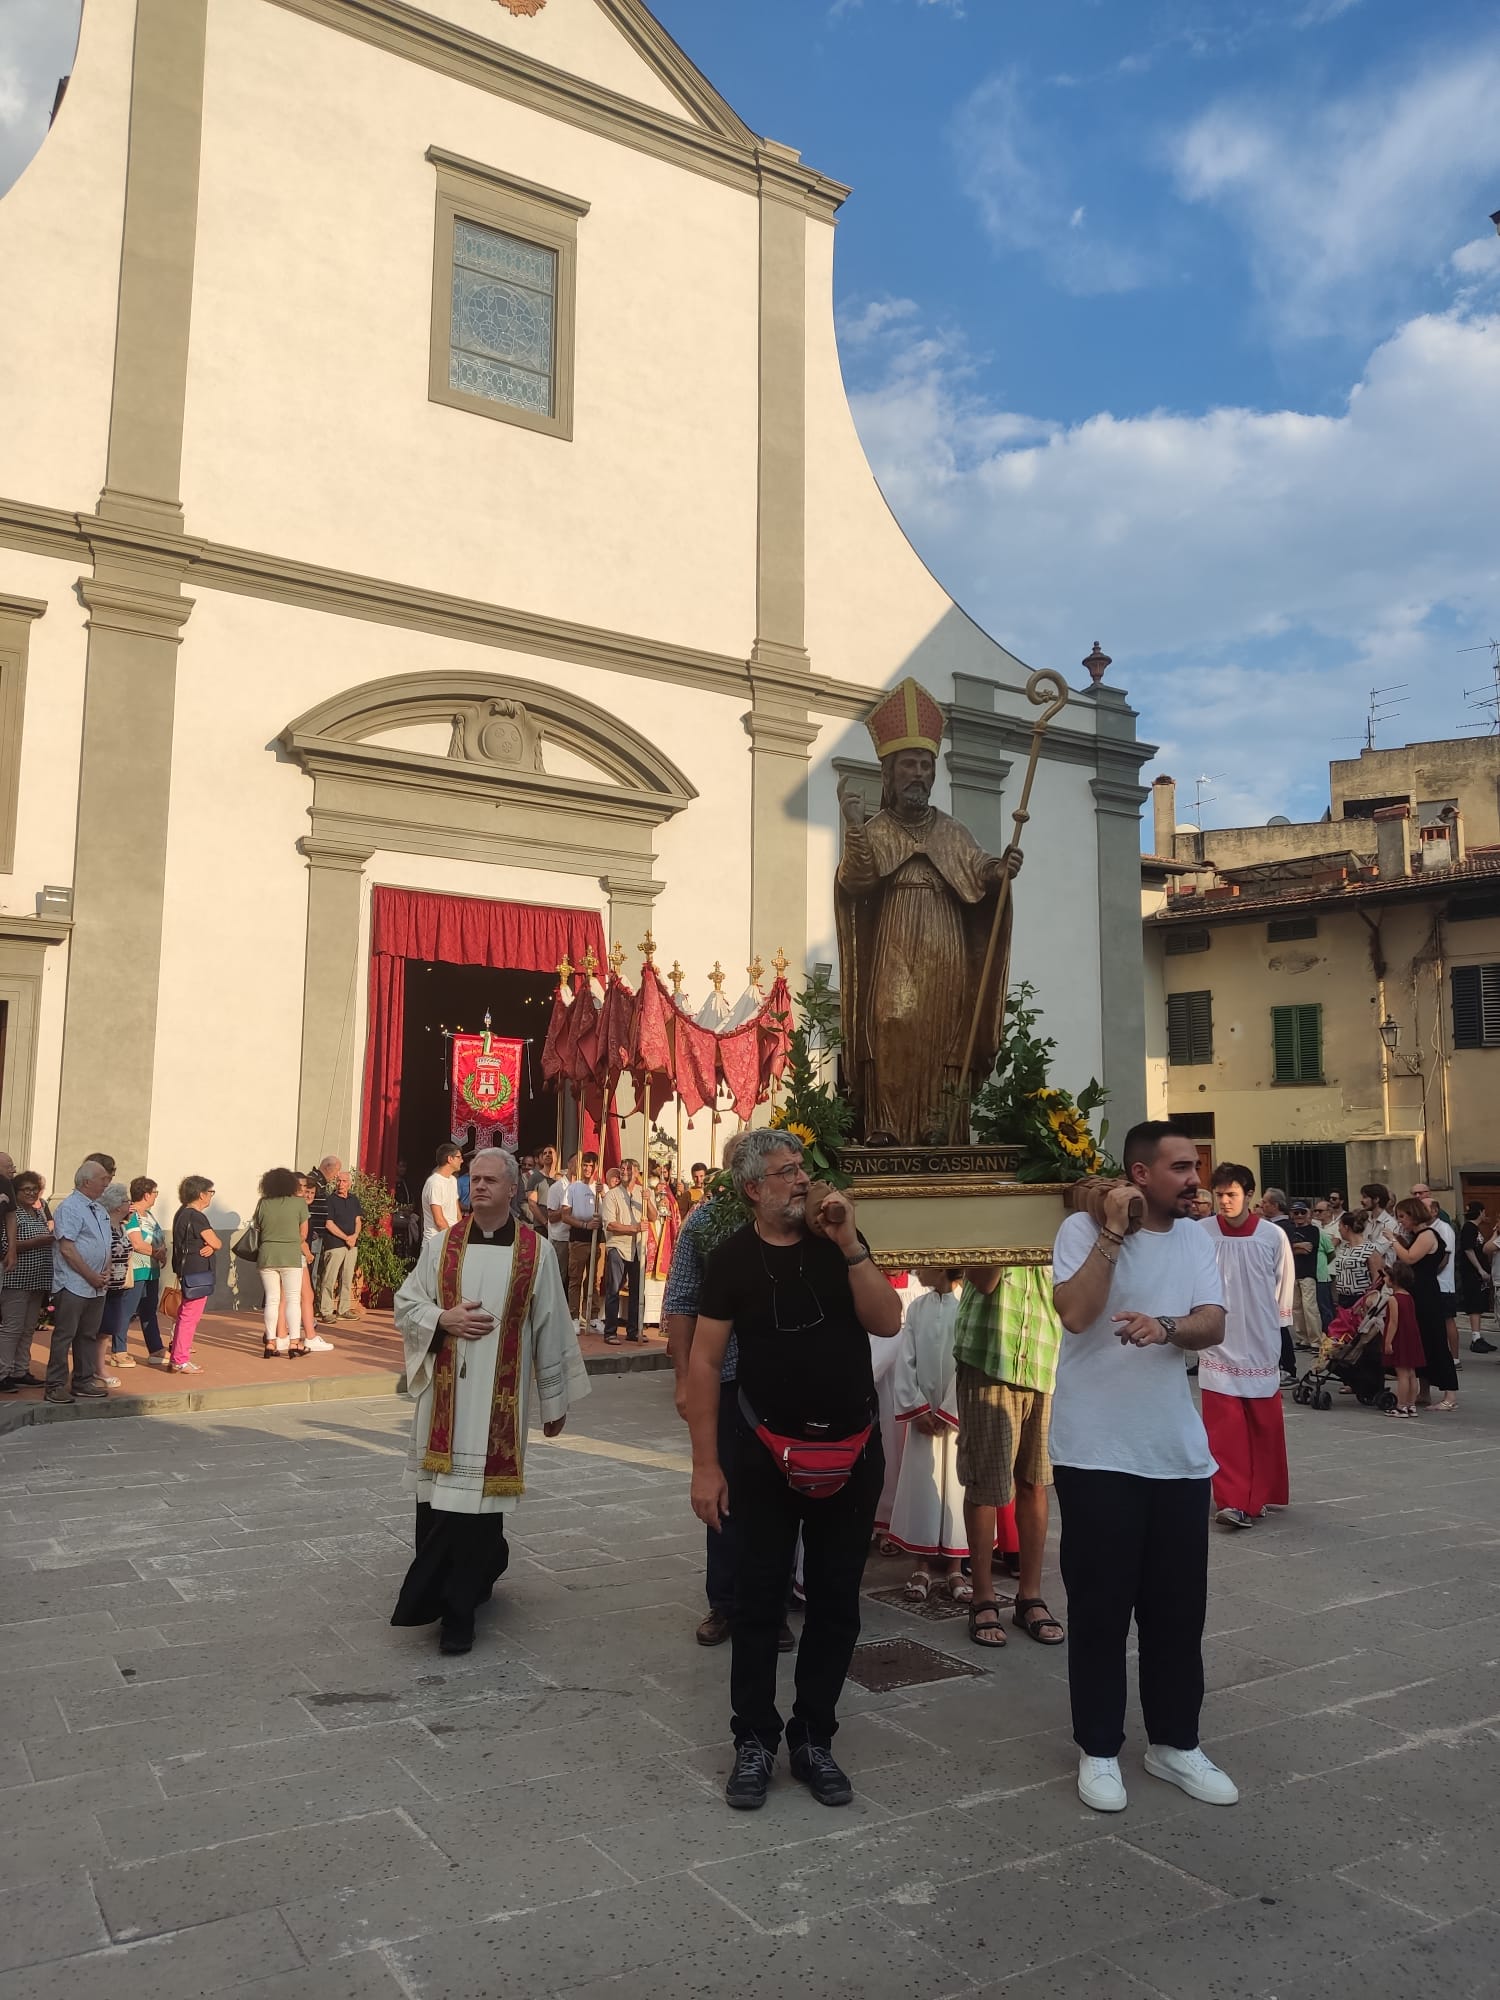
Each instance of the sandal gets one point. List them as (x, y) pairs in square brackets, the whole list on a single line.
[(990, 1635), (297, 1348), (269, 1351), (919, 1586), (960, 1589), (1033, 1617)]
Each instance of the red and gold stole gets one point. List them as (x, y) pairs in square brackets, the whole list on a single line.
[(502, 1458)]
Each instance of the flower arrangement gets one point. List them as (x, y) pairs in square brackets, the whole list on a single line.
[(1019, 1107), (378, 1264)]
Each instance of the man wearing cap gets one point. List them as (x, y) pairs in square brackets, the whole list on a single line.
[(915, 899), (1306, 1240)]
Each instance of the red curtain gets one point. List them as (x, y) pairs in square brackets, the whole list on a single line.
[(453, 930)]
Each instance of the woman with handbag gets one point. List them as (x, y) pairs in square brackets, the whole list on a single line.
[(115, 1202), (280, 1221), (28, 1281), (193, 1246)]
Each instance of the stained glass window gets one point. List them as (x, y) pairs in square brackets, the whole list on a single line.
[(501, 334)]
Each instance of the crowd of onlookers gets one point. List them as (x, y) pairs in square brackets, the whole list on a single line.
[(100, 1261)]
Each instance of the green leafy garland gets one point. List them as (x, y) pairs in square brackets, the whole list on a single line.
[(1018, 1107)]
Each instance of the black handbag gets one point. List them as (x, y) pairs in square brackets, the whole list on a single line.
[(248, 1245)]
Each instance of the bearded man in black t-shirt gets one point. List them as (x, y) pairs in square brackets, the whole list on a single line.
[(800, 1304)]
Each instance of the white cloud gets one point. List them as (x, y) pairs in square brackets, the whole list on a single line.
[(1347, 201), (1017, 175), (1254, 572), (37, 40)]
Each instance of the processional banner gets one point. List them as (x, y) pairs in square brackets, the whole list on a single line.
[(487, 1088)]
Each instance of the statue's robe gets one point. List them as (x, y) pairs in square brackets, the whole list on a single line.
[(915, 905)]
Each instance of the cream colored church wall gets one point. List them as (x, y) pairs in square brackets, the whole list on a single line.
[(309, 430), (51, 728), (236, 888), (60, 258)]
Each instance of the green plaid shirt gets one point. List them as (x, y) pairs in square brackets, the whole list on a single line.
[(1013, 1333)]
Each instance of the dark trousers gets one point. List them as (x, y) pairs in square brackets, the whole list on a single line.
[(836, 1535), (459, 1560), (1133, 1546), (723, 1543), (1288, 1352), (75, 1339), (1325, 1302), (618, 1272)]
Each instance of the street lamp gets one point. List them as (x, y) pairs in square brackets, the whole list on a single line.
[(1390, 1034)]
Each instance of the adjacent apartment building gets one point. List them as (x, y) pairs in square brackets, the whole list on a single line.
[(1323, 998)]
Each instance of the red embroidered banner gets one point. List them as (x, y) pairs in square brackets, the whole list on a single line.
[(487, 1088)]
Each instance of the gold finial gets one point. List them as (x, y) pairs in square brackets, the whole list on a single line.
[(716, 977), (564, 970), (756, 971), (647, 947), (617, 958), (676, 975), (780, 963), (590, 963)]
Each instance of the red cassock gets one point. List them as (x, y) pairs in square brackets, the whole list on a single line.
[(1247, 1437)]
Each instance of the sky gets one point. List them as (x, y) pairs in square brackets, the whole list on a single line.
[(1173, 324)]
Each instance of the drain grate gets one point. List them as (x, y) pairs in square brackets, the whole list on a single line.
[(884, 1664), (936, 1611)]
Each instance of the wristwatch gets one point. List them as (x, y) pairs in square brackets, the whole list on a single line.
[(861, 1256), (1167, 1324)]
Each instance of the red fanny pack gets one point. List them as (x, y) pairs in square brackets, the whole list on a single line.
[(814, 1466)]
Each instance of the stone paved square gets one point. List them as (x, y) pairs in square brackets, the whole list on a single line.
[(222, 1771)]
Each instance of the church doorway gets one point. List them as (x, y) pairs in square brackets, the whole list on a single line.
[(457, 997)]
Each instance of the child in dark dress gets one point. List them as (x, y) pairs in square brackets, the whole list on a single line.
[(1403, 1343)]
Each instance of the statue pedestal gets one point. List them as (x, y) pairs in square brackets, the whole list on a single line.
[(951, 1205)]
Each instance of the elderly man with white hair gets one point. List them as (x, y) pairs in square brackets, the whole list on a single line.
[(80, 1272), (487, 1332)]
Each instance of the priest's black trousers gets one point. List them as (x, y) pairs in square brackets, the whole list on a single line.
[(1134, 1547), (835, 1542), (459, 1560)]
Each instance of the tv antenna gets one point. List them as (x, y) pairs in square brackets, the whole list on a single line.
[(1202, 798), (1485, 699), (1384, 701)]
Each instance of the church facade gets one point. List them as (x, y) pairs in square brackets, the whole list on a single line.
[(426, 466)]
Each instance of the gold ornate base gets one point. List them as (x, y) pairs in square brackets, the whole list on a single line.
[(956, 1219)]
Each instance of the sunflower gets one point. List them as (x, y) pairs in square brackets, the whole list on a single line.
[(803, 1132), (778, 1119)]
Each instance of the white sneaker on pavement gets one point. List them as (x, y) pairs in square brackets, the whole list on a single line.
[(1191, 1772), (1100, 1784), (318, 1345)]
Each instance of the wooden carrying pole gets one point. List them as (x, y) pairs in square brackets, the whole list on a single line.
[(1044, 687)]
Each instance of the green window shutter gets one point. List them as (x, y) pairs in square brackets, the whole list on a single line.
[(1476, 1006), (1309, 1043), (1284, 1044), (1190, 1028)]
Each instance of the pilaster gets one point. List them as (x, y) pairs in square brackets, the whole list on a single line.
[(1118, 798), (330, 996), (136, 611), (780, 582), (978, 765), (781, 738)]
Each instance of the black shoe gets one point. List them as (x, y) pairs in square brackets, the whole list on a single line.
[(813, 1766), (750, 1779), (27, 1381), (1479, 1345), (456, 1638), (785, 1641), (10, 1386)]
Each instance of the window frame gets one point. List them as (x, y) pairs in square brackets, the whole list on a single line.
[(1203, 994), (1298, 1074), (469, 191)]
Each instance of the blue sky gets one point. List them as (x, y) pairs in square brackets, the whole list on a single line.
[(1171, 323)]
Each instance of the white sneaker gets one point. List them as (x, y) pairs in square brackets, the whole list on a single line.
[(1100, 1784), (1192, 1773), (318, 1345)]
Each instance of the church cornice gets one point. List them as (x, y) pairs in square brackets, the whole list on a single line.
[(722, 149)]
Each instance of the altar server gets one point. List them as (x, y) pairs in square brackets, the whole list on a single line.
[(483, 1316), (928, 1517), (1241, 1379)]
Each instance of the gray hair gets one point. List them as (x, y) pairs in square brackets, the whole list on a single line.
[(498, 1153), (1277, 1195), (116, 1195), (332, 1160), (753, 1151), (90, 1170)]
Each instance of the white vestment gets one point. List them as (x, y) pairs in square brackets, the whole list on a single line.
[(928, 1518), (550, 1357), (1259, 1278)]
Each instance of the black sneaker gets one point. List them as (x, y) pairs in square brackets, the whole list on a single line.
[(750, 1779), (455, 1638), (813, 1766), (1479, 1345)]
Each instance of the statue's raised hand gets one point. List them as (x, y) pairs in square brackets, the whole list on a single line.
[(851, 805)]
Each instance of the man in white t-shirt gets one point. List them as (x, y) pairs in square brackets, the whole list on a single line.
[(581, 1213), (440, 1196), (1132, 1466)]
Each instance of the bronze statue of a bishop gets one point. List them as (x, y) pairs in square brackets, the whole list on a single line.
[(915, 900)]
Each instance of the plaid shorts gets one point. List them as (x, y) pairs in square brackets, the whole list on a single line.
[(1002, 1437)]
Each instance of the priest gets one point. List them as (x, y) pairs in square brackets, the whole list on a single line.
[(483, 1316)]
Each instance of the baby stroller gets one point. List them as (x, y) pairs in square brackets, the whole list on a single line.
[(1352, 1352)]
